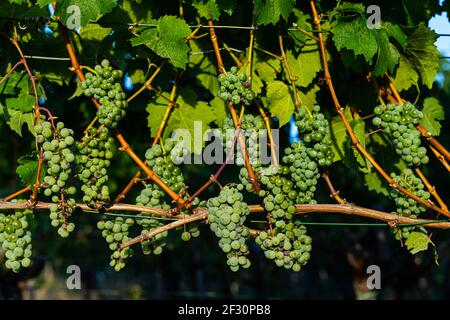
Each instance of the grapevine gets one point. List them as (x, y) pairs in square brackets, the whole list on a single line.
[(161, 76)]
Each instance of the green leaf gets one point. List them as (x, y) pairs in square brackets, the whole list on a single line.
[(406, 75), (433, 112), (417, 242), (308, 96), (203, 68), (359, 128), (301, 21), (338, 137), (280, 101), (422, 55), (306, 65), (94, 32), (211, 9), (192, 115), (90, 10), (219, 108), (16, 119), (166, 40), (23, 102), (267, 69), (388, 55), (15, 83), (375, 183), (269, 11), (156, 110), (354, 35), (27, 169)]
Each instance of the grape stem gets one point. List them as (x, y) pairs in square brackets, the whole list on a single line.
[(11, 71), (148, 82), (333, 193), (251, 173), (349, 129), (17, 193)]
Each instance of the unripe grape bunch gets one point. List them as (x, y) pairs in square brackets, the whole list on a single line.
[(407, 206), (15, 239), (235, 87), (58, 143), (399, 121), (116, 232), (93, 161), (227, 214), (303, 170), (104, 85), (315, 131)]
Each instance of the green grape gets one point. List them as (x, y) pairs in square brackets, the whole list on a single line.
[(407, 206), (287, 241), (93, 161), (15, 239), (116, 232), (235, 87), (304, 172), (399, 122), (315, 131), (59, 159), (220, 211), (105, 87)]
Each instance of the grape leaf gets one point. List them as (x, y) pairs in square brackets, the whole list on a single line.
[(15, 83), (90, 10), (166, 40), (354, 35), (417, 242), (406, 75), (306, 65), (267, 69), (359, 128), (422, 55), (211, 9), (27, 169), (375, 183), (219, 108), (433, 112), (156, 110), (203, 68), (387, 53), (16, 119), (280, 101), (301, 21), (338, 137), (24, 102), (269, 11), (308, 96), (94, 32), (192, 115)]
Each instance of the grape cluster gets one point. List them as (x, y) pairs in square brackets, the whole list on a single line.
[(15, 239), (407, 206), (227, 214), (287, 243), (162, 159), (399, 122), (235, 87), (289, 248), (252, 128), (304, 171), (152, 196), (116, 232), (93, 159), (57, 143), (104, 85), (316, 134)]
